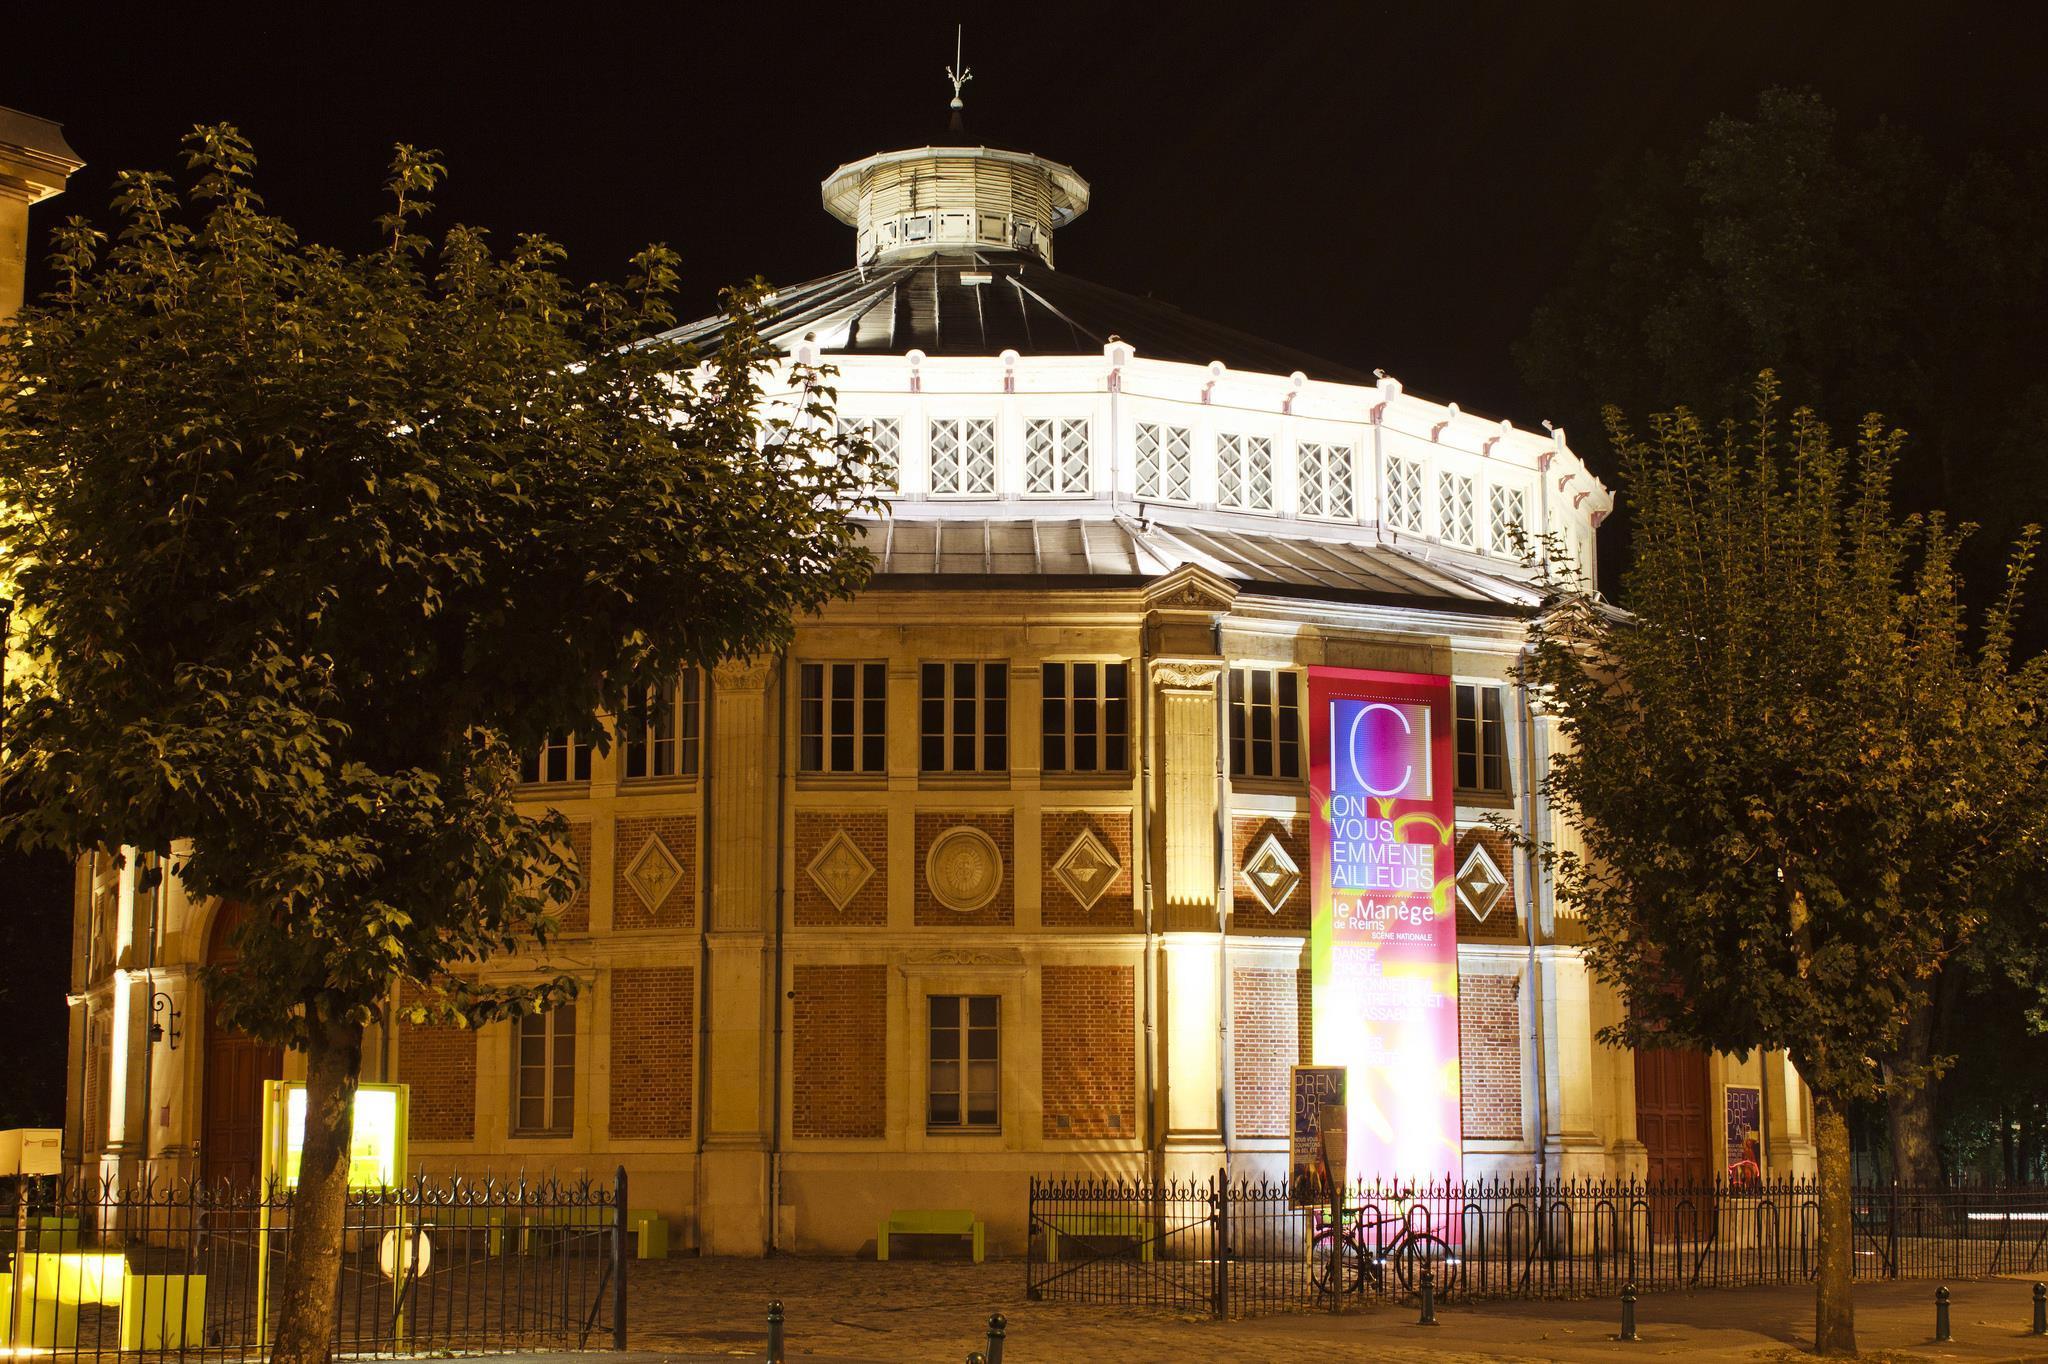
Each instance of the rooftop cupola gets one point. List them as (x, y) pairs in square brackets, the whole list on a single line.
[(963, 198)]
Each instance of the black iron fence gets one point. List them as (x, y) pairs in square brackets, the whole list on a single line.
[(191, 1270), (1241, 1247)]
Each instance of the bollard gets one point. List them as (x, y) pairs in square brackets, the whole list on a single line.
[(2041, 1309), (998, 1327), (975, 1357), (775, 1332), (1428, 1317), (1941, 1314), (1628, 1312)]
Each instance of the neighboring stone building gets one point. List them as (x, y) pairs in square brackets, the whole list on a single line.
[(1002, 868), (35, 162)]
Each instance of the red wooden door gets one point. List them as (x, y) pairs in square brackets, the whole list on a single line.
[(1671, 1116), (231, 1127)]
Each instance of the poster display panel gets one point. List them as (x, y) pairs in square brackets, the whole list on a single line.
[(1315, 1092), (1384, 947), (1743, 1106), (377, 1152)]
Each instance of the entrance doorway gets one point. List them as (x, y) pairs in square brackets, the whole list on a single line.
[(1671, 1116), (231, 1127)]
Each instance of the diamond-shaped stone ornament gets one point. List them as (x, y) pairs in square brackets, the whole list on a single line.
[(653, 872), (840, 870), (1086, 869), (1271, 873), (1481, 887)]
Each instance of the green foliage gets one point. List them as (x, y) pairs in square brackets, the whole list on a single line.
[(1796, 780), (307, 544)]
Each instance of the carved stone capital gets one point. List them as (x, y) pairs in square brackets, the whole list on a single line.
[(1186, 674), (745, 674)]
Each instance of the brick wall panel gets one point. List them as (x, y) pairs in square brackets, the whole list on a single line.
[(999, 912), (653, 1044), (1490, 1055), (439, 1062), (839, 1052), (575, 916), (1114, 911), (868, 830), (1087, 1074), (1271, 1032), (678, 908), (1250, 914)]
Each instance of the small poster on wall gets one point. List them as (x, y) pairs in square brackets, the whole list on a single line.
[(1318, 1095), (1744, 1107)]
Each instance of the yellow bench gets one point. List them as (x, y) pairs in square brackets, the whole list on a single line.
[(928, 1222)]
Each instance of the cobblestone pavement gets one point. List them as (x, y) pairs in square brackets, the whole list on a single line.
[(860, 1312)]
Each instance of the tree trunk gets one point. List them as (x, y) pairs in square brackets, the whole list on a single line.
[(1909, 1101), (1834, 1311), (312, 1267)]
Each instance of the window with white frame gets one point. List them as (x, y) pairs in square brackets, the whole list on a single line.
[(1166, 462), (1404, 494), (1506, 528), (1482, 738), (886, 435), (1326, 480), (1085, 717), (562, 758), (842, 716), (966, 717), (1454, 505), (963, 456), (964, 1085), (1244, 473), (544, 1074), (1056, 456), (660, 730)]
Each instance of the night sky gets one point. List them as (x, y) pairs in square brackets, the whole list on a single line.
[(1387, 186)]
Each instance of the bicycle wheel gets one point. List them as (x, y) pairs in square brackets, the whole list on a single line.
[(1324, 1269), (1432, 1251)]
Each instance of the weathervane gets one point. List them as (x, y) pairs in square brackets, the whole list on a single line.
[(958, 72)]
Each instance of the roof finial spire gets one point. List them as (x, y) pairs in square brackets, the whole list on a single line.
[(959, 75)]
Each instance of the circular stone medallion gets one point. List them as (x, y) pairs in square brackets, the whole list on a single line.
[(963, 868)]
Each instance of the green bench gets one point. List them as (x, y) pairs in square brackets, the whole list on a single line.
[(1133, 1225), (928, 1222)]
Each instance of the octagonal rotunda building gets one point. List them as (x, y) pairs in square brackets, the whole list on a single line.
[(1056, 849)]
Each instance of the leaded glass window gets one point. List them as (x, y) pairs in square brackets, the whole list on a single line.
[(1404, 494), (1505, 523), (1326, 480), (1166, 464), (1244, 473), (1056, 456), (963, 456), (1454, 501)]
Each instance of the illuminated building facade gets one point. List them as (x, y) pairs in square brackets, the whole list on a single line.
[(1006, 866)]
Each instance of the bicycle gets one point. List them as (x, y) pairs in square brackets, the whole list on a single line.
[(1410, 1251)]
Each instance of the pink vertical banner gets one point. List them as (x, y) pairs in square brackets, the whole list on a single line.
[(1384, 942)]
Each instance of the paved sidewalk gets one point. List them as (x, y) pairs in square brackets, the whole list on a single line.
[(861, 1312)]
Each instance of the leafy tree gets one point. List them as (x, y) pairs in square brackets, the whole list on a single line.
[(1794, 776), (308, 543), (1872, 274)]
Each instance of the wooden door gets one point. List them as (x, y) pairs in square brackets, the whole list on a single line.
[(1671, 1116), (231, 1126)]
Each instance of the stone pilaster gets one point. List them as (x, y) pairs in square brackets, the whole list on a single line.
[(1188, 788), (742, 796)]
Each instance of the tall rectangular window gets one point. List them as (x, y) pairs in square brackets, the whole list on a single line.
[(563, 758), (1056, 456), (1087, 717), (1325, 480), (1244, 473), (965, 1078), (842, 717), (1482, 746), (1166, 463), (1265, 723), (544, 1079), (1454, 504), (661, 730), (1506, 526), (966, 717), (963, 456), (886, 434), (1404, 494)]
